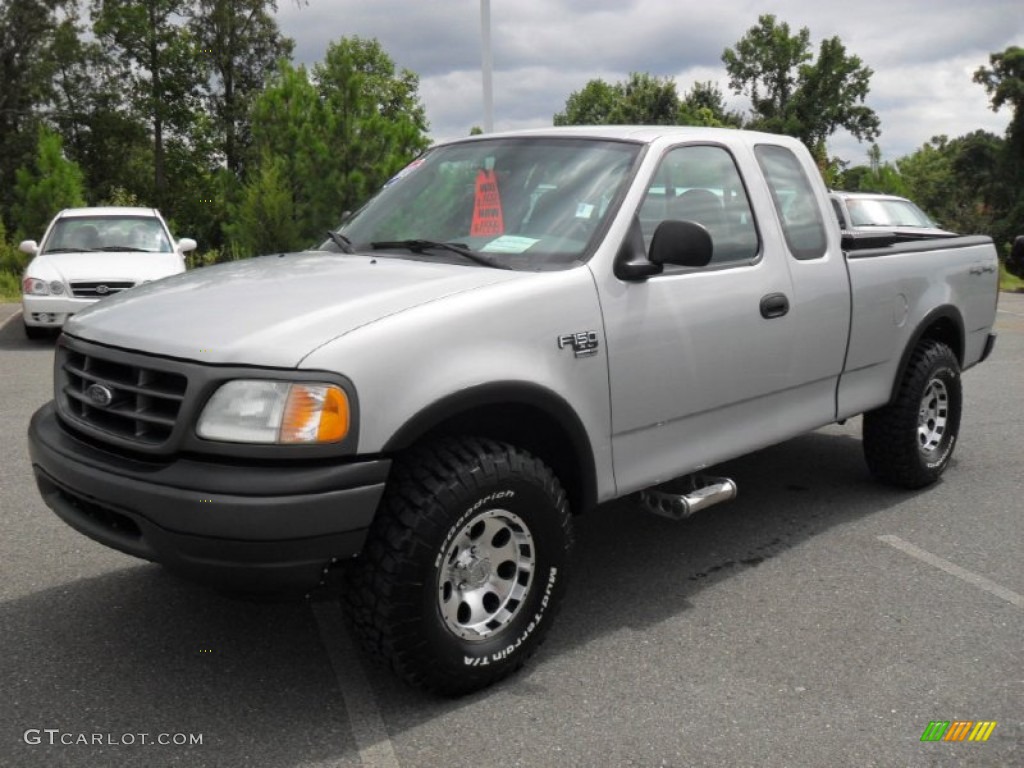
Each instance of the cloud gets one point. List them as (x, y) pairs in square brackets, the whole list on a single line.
[(922, 54)]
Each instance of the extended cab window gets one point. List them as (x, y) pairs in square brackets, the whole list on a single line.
[(702, 184), (794, 200)]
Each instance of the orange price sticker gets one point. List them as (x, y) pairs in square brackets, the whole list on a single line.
[(488, 220)]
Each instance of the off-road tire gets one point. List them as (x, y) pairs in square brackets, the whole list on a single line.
[(909, 442), (399, 591)]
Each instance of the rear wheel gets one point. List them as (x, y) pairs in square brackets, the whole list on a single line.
[(464, 566), (910, 441)]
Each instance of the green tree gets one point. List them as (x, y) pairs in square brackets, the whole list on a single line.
[(704, 104), (642, 99), (1004, 83), (876, 176), (27, 31), (960, 183), (242, 43), (264, 219), (160, 68), (50, 185), (89, 107), (793, 93), (592, 105), (340, 131)]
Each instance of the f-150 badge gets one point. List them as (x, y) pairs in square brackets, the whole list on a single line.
[(583, 343)]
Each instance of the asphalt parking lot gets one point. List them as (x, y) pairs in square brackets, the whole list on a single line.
[(818, 620)]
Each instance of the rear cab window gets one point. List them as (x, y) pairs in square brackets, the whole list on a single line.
[(794, 200)]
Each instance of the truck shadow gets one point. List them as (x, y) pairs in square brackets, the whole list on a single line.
[(137, 650)]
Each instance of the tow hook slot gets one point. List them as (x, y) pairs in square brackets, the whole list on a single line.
[(680, 498)]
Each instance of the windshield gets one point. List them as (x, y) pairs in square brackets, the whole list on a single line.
[(524, 203), (871, 212), (107, 233)]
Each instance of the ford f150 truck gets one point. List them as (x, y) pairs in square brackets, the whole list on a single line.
[(516, 328)]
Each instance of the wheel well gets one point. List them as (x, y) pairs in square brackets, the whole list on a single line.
[(943, 325), (947, 331), (529, 427)]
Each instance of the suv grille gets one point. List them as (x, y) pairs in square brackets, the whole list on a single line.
[(134, 402), (98, 289)]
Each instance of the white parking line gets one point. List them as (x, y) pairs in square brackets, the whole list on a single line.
[(5, 321), (955, 570), (368, 730), (1008, 312)]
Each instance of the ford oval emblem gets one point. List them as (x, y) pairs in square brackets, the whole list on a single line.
[(100, 395), (102, 290)]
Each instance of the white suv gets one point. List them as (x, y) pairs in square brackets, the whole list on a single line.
[(90, 253)]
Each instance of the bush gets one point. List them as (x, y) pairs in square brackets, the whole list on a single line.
[(10, 287)]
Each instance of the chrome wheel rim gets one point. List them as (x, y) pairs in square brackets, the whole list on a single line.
[(486, 574), (932, 416)]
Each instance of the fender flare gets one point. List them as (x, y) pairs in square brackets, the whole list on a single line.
[(509, 393), (947, 313)]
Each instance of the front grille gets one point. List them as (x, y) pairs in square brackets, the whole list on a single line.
[(98, 289), (135, 402)]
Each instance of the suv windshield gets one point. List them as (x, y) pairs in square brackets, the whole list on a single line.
[(524, 203), (107, 233)]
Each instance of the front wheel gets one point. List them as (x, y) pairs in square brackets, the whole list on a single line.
[(909, 442), (464, 566)]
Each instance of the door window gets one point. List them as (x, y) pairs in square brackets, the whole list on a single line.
[(702, 184)]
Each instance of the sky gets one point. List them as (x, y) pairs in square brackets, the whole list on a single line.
[(923, 53)]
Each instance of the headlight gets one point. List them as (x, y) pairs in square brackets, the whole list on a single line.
[(261, 411), (33, 286)]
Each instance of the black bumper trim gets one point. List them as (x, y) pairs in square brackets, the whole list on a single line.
[(990, 344), (289, 523)]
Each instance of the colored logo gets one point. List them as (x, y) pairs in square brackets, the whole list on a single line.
[(958, 730)]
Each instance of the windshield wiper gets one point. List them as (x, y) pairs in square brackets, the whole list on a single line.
[(120, 248), (341, 241), (419, 246), (67, 250)]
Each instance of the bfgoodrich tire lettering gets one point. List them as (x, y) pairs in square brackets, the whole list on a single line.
[(909, 442), (464, 566)]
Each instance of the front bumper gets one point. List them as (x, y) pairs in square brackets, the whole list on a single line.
[(242, 526), (51, 311)]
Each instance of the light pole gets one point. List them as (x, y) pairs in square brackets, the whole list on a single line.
[(485, 37)]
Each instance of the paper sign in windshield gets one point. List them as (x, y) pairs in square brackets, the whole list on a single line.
[(509, 244), (488, 220)]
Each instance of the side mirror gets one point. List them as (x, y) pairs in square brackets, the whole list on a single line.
[(31, 247), (683, 243), (186, 244), (631, 262)]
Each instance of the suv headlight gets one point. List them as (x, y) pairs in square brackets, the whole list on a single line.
[(276, 412)]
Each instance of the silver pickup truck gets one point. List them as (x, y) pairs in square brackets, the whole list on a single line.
[(516, 328)]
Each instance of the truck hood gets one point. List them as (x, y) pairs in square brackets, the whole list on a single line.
[(271, 310), (129, 266)]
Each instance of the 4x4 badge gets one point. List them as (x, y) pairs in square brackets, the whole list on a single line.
[(583, 343)]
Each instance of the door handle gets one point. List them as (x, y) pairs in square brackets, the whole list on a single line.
[(774, 305)]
